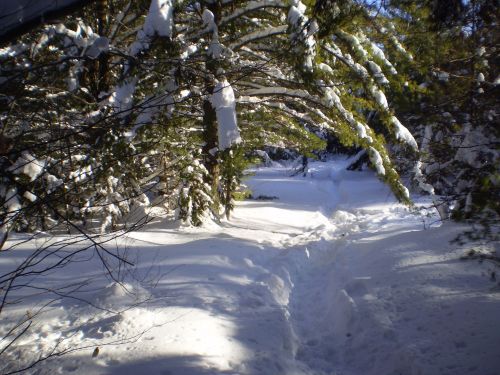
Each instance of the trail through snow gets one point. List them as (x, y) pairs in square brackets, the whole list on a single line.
[(332, 277)]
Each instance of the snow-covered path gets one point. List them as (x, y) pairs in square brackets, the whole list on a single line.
[(333, 277)]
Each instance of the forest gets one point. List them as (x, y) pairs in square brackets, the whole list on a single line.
[(125, 121)]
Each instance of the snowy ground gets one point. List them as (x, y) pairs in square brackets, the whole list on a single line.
[(333, 277)]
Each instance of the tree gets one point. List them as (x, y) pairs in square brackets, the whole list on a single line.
[(454, 111)]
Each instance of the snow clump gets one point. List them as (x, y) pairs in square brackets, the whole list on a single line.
[(376, 160), (224, 103), (28, 165), (160, 18), (403, 134)]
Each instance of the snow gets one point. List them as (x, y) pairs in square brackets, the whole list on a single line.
[(100, 45), (400, 48), (28, 165), (160, 18), (355, 44), (252, 6), (30, 196), (296, 13), (52, 182), (332, 99), (442, 76), (379, 97), (192, 48), (481, 51), (224, 103), (140, 44), (468, 152), (13, 50), (325, 68), (313, 28), (303, 31), (332, 277), (12, 204), (151, 107), (223, 95), (215, 49), (209, 20), (122, 97), (376, 160), (278, 91), (403, 134), (260, 34), (379, 54), (363, 130), (420, 178), (159, 21), (377, 73)]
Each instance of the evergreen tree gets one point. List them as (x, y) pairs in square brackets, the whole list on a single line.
[(455, 111)]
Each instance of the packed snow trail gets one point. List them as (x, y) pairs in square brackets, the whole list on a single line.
[(324, 274)]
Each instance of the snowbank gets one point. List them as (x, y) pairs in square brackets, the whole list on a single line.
[(333, 277)]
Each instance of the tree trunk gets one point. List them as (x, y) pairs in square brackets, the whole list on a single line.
[(209, 149), (210, 121), (102, 22)]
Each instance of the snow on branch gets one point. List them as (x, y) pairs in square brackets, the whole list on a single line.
[(261, 34), (420, 178), (335, 51), (354, 43), (380, 55), (159, 21), (224, 103), (403, 134), (152, 106), (160, 18), (282, 91), (252, 6), (376, 160), (302, 116), (332, 99), (303, 32), (209, 21), (28, 165), (122, 96), (377, 73)]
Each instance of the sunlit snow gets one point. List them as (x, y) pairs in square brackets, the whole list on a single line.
[(330, 276)]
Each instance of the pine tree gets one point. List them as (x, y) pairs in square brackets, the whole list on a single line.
[(194, 195), (454, 112)]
